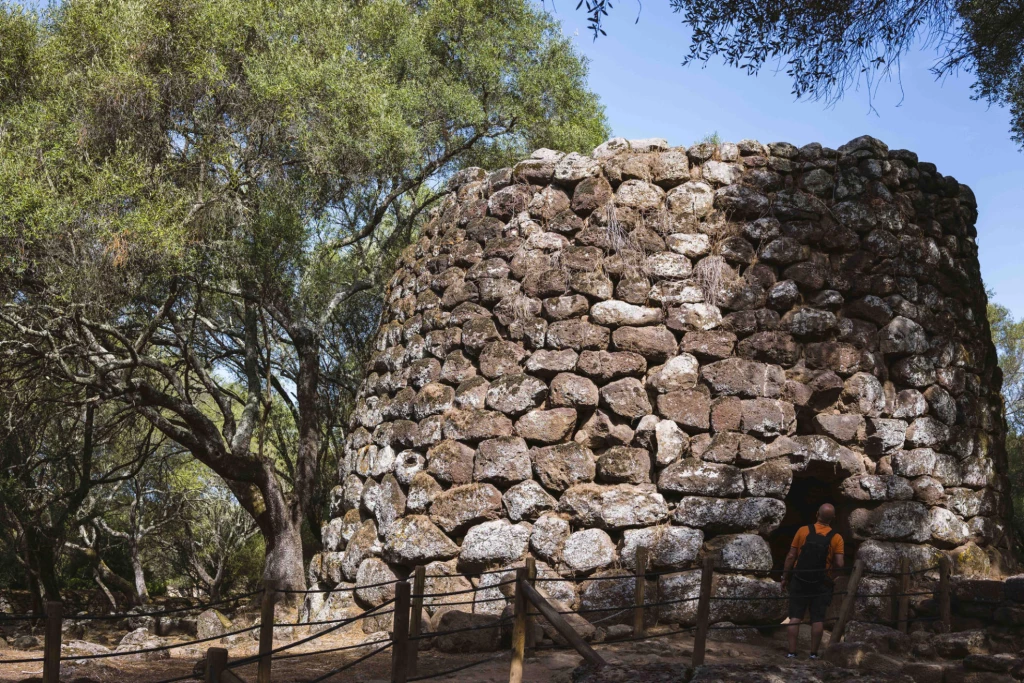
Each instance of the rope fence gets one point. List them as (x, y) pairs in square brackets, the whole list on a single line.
[(406, 612)]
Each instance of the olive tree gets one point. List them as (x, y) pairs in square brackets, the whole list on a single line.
[(198, 199)]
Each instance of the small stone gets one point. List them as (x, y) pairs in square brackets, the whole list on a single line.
[(679, 372)]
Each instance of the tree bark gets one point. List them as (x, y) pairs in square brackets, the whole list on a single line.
[(141, 592)]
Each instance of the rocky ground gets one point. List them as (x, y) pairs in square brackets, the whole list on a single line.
[(743, 655)]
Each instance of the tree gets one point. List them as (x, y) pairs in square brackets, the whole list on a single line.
[(1008, 336), (829, 46), (199, 201)]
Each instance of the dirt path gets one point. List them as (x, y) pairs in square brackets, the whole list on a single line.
[(548, 666)]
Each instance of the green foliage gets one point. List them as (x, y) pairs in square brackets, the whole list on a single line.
[(1008, 337), (710, 139), (828, 47), (213, 192)]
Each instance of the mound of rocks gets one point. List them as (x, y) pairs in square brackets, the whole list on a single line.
[(647, 345)]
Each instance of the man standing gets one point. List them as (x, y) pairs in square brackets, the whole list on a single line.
[(816, 551)]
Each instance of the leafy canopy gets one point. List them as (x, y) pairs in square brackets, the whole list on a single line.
[(829, 46)]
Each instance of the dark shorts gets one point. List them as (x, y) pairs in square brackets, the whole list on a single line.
[(813, 596)]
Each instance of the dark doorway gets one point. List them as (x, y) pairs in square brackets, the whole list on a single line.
[(806, 495)]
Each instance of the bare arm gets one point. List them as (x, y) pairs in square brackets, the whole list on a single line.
[(838, 561), (788, 567)]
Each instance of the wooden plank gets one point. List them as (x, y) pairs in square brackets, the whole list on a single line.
[(904, 600), (266, 630), (400, 634), (216, 661), (700, 639), (419, 578), (515, 671), (847, 609), (229, 676), (562, 626), (945, 613), (531, 622), (638, 592), (51, 642)]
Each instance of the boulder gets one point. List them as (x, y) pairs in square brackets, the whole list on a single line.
[(141, 639), (668, 547), (655, 343), (696, 477), (550, 532), (740, 551), (502, 461), (527, 500), (461, 506), (414, 540), (723, 515), (559, 467), (619, 313), (613, 507), (605, 366), (375, 582), (587, 550), (573, 391), (498, 542), (515, 394), (626, 398), (742, 377), (461, 632), (547, 426), (624, 465)]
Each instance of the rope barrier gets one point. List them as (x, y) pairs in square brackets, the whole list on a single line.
[(497, 624), (462, 592), (296, 655), (349, 665), (310, 591), (327, 622), (254, 658), (21, 617), (438, 674)]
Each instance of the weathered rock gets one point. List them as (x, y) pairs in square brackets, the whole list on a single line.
[(741, 377), (461, 506), (463, 632), (740, 551), (723, 515), (624, 465), (695, 477), (613, 507), (375, 582), (573, 391), (527, 500), (559, 467), (669, 547), (626, 398), (415, 540), (588, 550), (502, 461), (516, 394), (546, 426), (550, 532), (655, 343), (451, 462), (498, 542)]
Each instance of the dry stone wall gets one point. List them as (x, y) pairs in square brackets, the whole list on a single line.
[(680, 349)]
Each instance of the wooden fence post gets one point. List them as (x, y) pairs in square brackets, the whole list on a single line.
[(51, 642), (515, 672), (531, 631), (847, 607), (638, 592), (266, 630), (419, 579), (904, 600), (703, 611), (559, 623), (400, 634), (216, 662), (945, 613)]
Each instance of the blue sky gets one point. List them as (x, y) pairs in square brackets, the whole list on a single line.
[(647, 93)]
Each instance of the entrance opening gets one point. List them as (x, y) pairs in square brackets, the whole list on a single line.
[(806, 495)]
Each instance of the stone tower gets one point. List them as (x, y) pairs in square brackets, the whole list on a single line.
[(685, 349)]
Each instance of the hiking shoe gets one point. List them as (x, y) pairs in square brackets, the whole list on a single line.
[(790, 655), (814, 655)]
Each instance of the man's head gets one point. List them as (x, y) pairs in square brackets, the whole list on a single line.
[(826, 513)]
